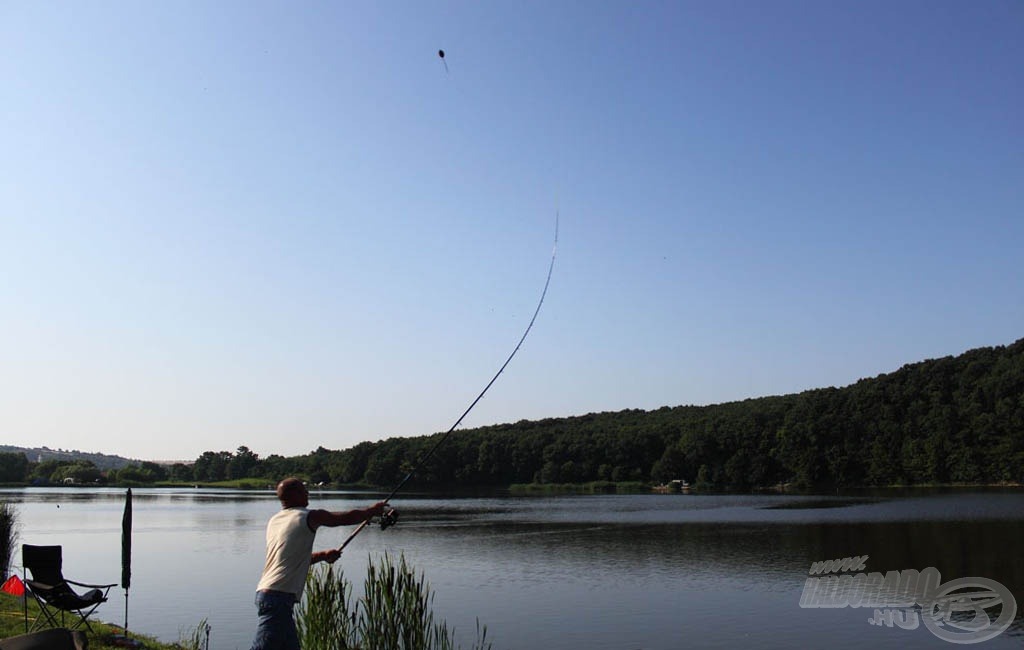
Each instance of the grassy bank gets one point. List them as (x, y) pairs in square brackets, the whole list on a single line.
[(593, 487), (12, 623), (395, 611), (235, 484)]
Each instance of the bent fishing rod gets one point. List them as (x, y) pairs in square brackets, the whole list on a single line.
[(390, 517)]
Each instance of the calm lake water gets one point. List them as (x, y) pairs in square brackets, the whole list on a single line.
[(618, 572)]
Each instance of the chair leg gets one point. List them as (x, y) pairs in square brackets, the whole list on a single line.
[(84, 619), (45, 617)]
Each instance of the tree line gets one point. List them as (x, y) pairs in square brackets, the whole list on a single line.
[(950, 420)]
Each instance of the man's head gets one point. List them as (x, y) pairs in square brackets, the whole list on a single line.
[(292, 492)]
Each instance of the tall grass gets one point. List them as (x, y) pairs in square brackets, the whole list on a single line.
[(196, 638), (326, 617), (394, 612), (8, 537)]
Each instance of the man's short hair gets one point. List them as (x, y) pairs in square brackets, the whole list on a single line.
[(288, 487)]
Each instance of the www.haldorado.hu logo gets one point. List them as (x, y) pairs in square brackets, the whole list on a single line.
[(954, 611)]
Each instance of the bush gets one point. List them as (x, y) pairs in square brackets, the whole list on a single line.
[(8, 537), (394, 612)]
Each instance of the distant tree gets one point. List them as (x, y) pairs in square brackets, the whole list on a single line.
[(47, 471), (156, 471), (243, 464), (212, 466), (275, 467), (704, 479), (130, 474), (79, 472), (13, 467), (671, 466), (181, 472)]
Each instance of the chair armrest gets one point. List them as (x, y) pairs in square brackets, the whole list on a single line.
[(83, 584), (38, 586)]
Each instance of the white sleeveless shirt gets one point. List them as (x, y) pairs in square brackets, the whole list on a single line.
[(289, 546)]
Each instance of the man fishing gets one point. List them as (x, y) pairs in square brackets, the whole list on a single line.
[(290, 535)]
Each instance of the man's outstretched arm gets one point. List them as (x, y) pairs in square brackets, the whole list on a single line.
[(330, 519)]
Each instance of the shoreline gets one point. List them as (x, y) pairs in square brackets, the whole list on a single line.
[(591, 487)]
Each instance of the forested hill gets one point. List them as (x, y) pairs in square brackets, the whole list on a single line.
[(949, 420), (43, 454)]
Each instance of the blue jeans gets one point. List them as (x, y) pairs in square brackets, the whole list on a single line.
[(276, 629)]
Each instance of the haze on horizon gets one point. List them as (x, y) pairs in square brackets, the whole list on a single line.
[(286, 227)]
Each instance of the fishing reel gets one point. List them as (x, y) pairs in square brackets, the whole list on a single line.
[(388, 518)]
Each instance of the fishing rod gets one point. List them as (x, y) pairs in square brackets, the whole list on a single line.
[(390, 517)]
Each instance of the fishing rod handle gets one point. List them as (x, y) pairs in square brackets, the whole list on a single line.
[(351, 537)]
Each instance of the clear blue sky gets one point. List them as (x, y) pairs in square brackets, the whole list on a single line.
[(285, 225)]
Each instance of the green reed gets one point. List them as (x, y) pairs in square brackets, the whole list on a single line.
[(394, 612), (196, 638), (325, 617), (8, 537)]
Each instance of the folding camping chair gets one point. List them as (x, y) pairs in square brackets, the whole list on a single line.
[(53, 592)]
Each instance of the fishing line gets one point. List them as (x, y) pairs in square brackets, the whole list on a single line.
[(390, 518)]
